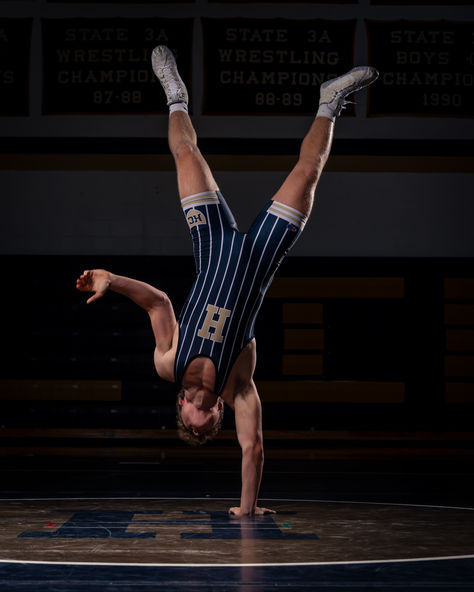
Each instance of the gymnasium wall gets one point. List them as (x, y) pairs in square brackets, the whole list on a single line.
[(369, 325), (83, 122)]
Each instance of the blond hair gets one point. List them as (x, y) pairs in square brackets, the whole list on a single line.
[(190, 437)]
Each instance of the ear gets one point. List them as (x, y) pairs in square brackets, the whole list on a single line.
[(220, 405), (181, 401)]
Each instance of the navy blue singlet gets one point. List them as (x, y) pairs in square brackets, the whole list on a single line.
[(234, 270)]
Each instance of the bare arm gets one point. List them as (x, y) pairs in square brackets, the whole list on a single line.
[(248, 422), (154, 301)]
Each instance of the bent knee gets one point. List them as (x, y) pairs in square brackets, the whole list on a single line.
[(309, 171), (185, 151)]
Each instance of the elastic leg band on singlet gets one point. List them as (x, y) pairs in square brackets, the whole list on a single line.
[(199, 199), (288, 213)]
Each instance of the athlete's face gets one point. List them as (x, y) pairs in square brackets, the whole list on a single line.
[(198, 421)]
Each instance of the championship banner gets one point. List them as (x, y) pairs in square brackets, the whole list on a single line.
[(119, 1), (103, 65), (15, 45), (270, 66), (426, 67), (423, 2), (282, 1)]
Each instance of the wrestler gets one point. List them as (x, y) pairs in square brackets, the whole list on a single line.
[(210, 351)]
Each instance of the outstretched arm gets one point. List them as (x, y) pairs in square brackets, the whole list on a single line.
[(248, 422), (154, 301)]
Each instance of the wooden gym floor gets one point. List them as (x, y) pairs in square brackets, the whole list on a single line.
[(90, 524)]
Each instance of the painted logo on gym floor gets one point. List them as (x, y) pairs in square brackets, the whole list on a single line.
[(190, 531)]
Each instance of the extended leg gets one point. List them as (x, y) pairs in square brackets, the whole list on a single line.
[(299, 187), (194, 174)]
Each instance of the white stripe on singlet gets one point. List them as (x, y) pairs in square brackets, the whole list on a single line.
[(222, 284), (215, 274), (183, 339), (251, 315), (232, 285), (252, 284)]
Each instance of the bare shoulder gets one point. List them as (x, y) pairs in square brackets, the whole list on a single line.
[(164, 364), (164, 358), (240, 382)]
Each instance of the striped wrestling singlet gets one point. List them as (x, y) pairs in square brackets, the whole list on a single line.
[(234, 270)]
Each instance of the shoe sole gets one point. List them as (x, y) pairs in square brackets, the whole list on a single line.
[(373, 75), (162, 58)]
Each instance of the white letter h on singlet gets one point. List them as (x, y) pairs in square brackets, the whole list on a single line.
[(216, 324)]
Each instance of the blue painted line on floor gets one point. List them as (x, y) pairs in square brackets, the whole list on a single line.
[(441, 575)]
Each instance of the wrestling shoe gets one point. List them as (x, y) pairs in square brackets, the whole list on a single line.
[(333, 92), (166, 70)]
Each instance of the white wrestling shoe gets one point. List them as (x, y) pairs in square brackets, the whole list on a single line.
[(334, 91), (166, 70)]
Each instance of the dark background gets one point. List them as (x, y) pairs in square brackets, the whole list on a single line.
[(87, 182)]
